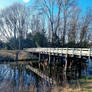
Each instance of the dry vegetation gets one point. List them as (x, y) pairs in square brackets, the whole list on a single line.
[(83, 88), (10, 54)]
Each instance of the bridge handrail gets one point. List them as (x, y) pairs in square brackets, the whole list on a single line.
[(80, 51)]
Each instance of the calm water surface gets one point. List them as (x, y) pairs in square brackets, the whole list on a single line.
[(18, 80), (13, 79)]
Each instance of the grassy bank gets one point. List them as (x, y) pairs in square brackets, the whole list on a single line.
[(9, 55), (86, 84)]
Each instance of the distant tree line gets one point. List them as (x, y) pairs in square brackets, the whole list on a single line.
[(48, 23)]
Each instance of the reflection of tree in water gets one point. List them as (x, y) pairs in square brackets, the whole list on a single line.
[(40, 85), (21, 80), (56, 69)]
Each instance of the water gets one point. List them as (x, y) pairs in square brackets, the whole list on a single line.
[(89, 68), (19, 80)]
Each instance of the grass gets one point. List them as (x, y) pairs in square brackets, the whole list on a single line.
[(86, 84), (82, 85)]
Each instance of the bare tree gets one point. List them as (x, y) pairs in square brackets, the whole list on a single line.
[(85, 27), (74, 25), (14, 22), (48, 9), (37, 23), (66, 6)]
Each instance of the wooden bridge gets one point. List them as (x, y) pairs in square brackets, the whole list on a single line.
[(51, 54), (87, 52), (66, 57)]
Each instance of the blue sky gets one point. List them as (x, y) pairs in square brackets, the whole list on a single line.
[(5, 3), (82, 3)]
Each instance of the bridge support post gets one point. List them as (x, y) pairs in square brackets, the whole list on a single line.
[(80, 67), (39, 57), (65, 68), (49, 58), (65, 71), (49, 66)]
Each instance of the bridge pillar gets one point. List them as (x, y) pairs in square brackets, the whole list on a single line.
[(49, 58), (80, 67), (49, 65), (65, 71), (65, 67), (39, 57)]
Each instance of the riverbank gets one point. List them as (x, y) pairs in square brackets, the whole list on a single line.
[(9, 55), (83, 85), (86, 84)]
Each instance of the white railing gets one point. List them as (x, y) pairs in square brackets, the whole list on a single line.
[(71, 51)]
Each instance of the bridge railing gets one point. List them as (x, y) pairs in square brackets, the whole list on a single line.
[(71, 51)]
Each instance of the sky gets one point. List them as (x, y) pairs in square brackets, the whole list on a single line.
[(4, 3), (84, 4)]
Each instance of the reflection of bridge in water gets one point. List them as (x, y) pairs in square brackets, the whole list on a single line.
[(42, 75), (52, 63), (66, 58)]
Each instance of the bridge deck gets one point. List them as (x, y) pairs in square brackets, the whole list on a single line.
[(70, 51)]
